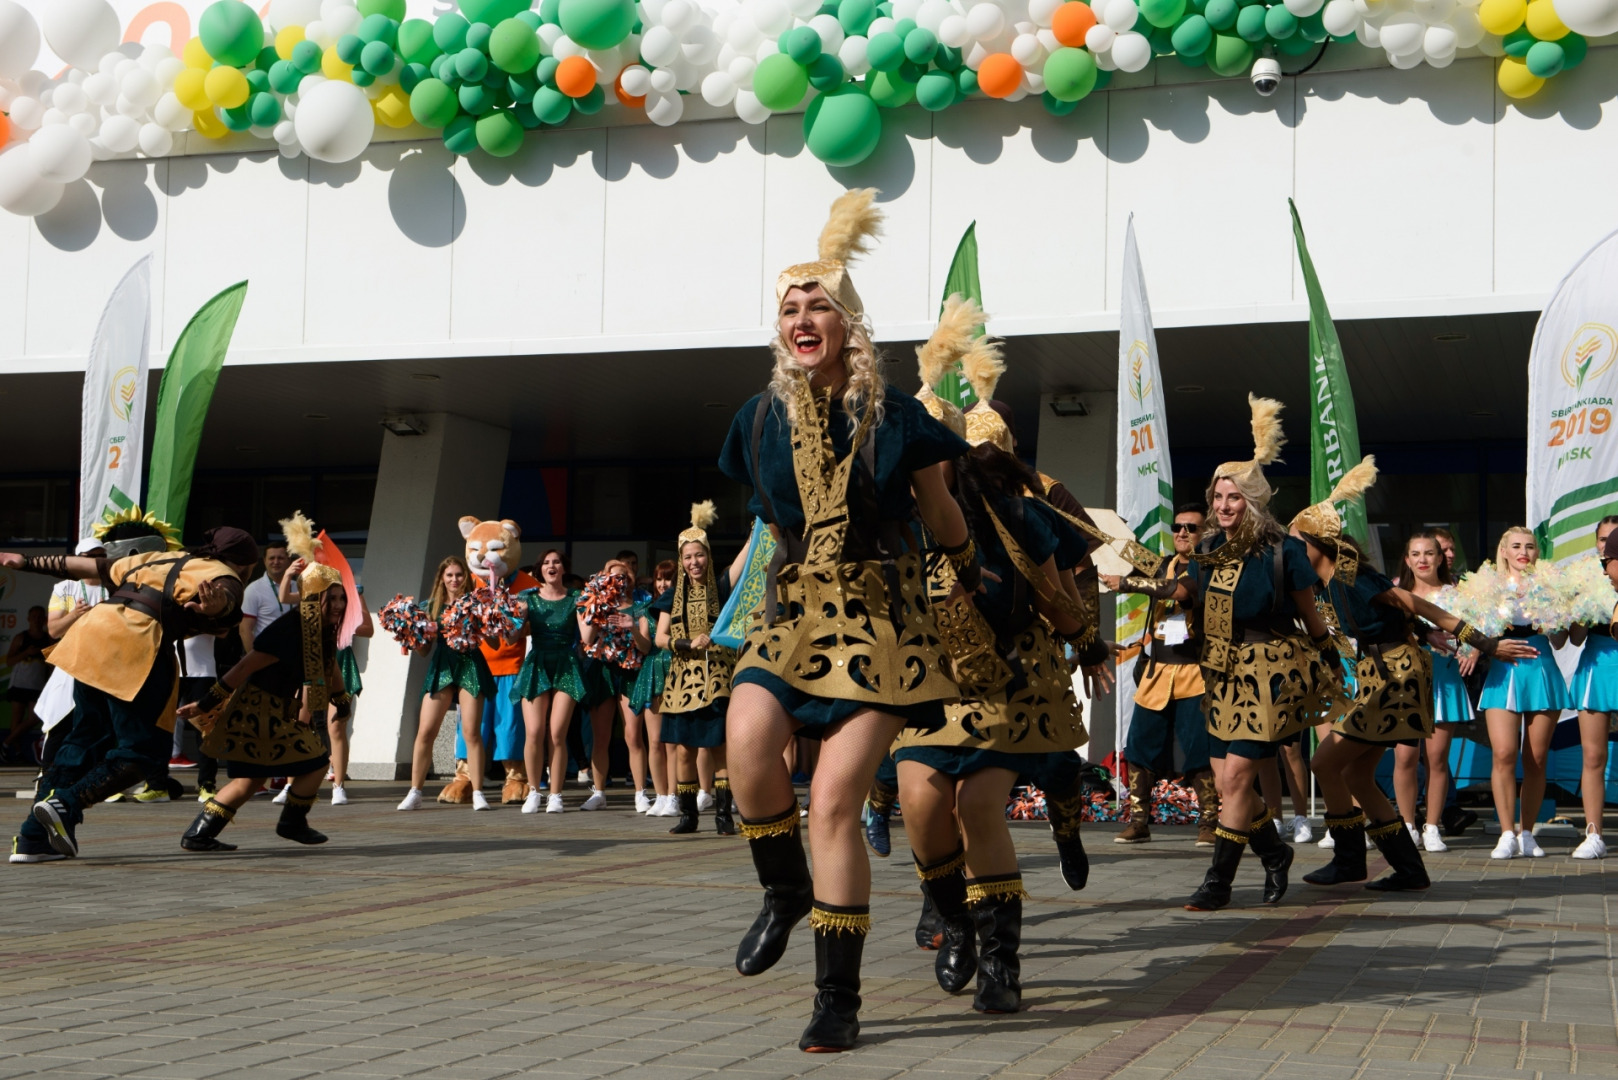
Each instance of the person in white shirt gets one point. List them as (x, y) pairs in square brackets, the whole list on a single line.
[(69, 601), (260, 603)]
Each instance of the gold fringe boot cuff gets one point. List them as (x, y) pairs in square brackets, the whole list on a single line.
[(1347, 821), (781, 825), (300, 801), (995, 887), (1231, 834), (1384, 828), (942, 869), (219, 809), (831, 919), (684, 788)]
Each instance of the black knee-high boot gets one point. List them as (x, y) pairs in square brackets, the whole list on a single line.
[(997, 911), (1397, 846), (203, 835), (839, 943), (783, 870), (723, 823), (1274, 853), (685, 796), (1227, 855), (945, 884), (294, 823), (1347, 853), (1063, 811)]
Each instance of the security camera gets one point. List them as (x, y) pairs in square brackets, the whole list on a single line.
[(1266, 76)]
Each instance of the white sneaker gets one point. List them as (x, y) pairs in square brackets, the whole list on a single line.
[(479, 802), (596, 800), (530, 805), (1301, 832), (642, 803), (1506, 848), (1529, 846), (1415, 834), (1326, 841), (1432, 839), (671, 807), (704, 802), (339, 797), (553, 805), (1592, 846), (281, 796), (412, 800), (330, 775)]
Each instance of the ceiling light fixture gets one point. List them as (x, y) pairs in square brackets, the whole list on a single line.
[(1190, 388), (424, 376), (1481, 412), (404, 425), (315, 416), (715, 405), (1069, 405), (1449, 337)]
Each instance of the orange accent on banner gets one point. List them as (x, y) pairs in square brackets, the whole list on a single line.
[(173, 14)]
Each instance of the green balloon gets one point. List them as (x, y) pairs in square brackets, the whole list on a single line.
[(1221, 14), (377, 59), (1545, 59), (550, 11), (780, 82), (1103, 79), (285, 77), (920, 45), (493, 11), (378, 28), (966, 80), (1193, 36), (231, 32), (551, 105), (1574, 47), (499, 134), (590, 103), (888, 90), (258, 82), (476, 99), (1161, 39), (935, 92), (237, 119), (1070, 74), (361, 77), (885, 51), (264, 109), (842, 128), (1162, 12), (1518, 42), (947, 59), (471, 65), (1056, 106), (410, 76), (903, 27), (478, 35), (855, 16), (827, 73), (525, 116), (522, 87), (802, 44), (433, 103), (1296, 45), (1200, 60), (461, 136), (545, 71), (393, 9), (306, 57), (1280, 23), (597, 24), (1313, 27), (349, 48), (449, 33), (513, 47), (1230, 55), (1250, 23), (267, 58)]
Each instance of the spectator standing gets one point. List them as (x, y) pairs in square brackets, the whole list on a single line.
[(29, 672), (262, 603)]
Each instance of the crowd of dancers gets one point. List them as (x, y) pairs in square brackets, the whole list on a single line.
[(916, 600)]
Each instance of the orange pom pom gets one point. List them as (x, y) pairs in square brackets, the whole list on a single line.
[(1071, 22), (575, 76), (618, 89), (1000, 75)]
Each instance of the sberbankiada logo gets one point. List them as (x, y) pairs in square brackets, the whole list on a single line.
[(1589, 353), (123, 393), (1139, 384)]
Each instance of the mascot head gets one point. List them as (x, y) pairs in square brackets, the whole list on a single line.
[(493, 548)]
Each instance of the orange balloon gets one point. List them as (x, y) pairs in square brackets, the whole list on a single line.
[(617, 88), (1000, 75), (1071, 22), (575, 76), (5, 129)]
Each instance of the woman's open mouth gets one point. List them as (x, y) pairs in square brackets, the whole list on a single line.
[(805, 344)]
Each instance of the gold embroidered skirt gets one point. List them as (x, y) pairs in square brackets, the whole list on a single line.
[(698, 681), (1037, 713), (259, 735), (1392, 708), (1275, 689), (846, 633)]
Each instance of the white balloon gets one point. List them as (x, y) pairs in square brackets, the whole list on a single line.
[(319, 33), (27, 113), (771, 16), (140, 87), (985, 20), (155, 140), (1017, 94), (19, 40), (636, 81), (33, 82), (81, 31), (659, 46), (1406, 61), (1099, 38), (906, 9), (741, 71), (88, 123), (1441, 61), (664, 109), (1131, 51), (1105, 62), (59, 153), (120, 134), (954, 32), (765, 48), (101, 88), (564, 47), (285, 132), (749, 109), (1438, 42), (1340, 17), (830, 32), (803, 9), (111, 62), (1468, 30), (124, 107), (1491, 45), (744, 35), (1434, 12), (289, 150), (171, 114), (53, 116), (334, 121), (1026, 49), (340, 21), (549, 35), (1304, 8), (718, 88), (1034, 81), (1047, 41), (853, 55), (700, 46), (22, 190), (1369, 36), (1120, 14), (153, 54), (651, 11), (933, 13), (1592, 18), (1042, 11), (678, 16), (69, 97), (663, 81), (284, 13), (1402, 33)]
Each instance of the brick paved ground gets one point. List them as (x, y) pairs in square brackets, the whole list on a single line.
[(447, 944)]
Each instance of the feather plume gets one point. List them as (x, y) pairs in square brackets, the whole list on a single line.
[(703, 515), (1356, 482), (300, 534), (983, 364), (855, 219), (1267, 435), (951, 340)]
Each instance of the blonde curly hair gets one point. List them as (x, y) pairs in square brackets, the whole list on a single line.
[(861, 362)]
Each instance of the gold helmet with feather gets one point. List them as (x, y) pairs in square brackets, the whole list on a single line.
[(854, 221), (1322, 520), (953, 338), (983, 365), (302, 543), (1248, 476), (703, 516)]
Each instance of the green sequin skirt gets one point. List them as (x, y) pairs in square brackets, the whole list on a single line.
[(350, 667), (466, 671), (546, 671), (654, 672)]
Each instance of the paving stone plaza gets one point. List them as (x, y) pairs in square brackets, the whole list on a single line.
[(460, 946)]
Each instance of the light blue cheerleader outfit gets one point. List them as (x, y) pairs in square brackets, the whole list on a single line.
[(1526, 686), (1451, 703), (1594, 686)]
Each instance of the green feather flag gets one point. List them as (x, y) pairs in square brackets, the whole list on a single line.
[(182, 403), (963, 279)]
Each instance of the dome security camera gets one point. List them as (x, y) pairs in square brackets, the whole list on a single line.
[(1266, 76)]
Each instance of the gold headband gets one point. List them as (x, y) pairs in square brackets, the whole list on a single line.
[(853, 222)]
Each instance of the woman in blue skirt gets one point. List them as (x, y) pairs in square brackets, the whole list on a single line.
[(1521, 696), (1595, 695)]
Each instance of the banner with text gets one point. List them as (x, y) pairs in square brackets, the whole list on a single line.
[(114, 421)]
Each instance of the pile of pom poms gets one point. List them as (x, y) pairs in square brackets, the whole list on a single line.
[(408, 623), (1172, 804)]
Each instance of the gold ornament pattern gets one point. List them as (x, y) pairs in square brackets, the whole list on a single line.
[(1274, 688), (696, 679), (1394, 706), (261, 728)]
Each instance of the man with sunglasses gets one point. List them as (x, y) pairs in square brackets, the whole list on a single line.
[(1168, 700)]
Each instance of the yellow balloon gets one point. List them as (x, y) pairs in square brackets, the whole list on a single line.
[(208, 124), (1502, 16), (286, 39), (1516, 81), (195, 56), (1543, 22), (190, 89), (332, 66), (392, 107), (227, 87)]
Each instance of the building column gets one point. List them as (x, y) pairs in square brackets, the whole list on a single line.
[(424, 485), (1082, 452)]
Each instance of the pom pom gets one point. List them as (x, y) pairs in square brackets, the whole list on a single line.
[(462, 627), (603, 597), (1592, 596), (408, 623)]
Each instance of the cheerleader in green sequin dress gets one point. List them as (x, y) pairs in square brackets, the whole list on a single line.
[(647, 697), (551, 682)]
